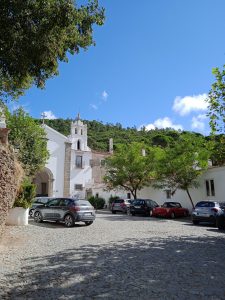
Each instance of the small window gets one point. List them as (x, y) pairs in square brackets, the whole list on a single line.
[(78, 145), (75, 131), (210, 187), (78, 187), (79, 161), (81, 132), (54, 202)]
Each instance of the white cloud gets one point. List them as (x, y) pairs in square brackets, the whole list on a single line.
[(187, 104), (48, 114), (163, 123), (198, 122), (105, 95), (94, 106)]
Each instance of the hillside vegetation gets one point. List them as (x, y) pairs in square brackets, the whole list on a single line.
[(99, 134)]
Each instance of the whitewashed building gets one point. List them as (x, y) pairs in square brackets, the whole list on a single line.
[(71, 165), (75, 170)]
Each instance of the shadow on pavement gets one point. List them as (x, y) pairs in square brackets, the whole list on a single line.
[(53, 224), (154, 268)]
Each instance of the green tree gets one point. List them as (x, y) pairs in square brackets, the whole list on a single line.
[(181, 165), (29, 139), (216, 101), (36, 35), (129, 169)]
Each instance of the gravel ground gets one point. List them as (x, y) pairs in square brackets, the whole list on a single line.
[(117, 257)]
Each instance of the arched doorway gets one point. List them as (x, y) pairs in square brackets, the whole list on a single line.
[(44, 183)]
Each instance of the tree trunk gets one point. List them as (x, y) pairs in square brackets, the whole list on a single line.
[(134, 194), (190, 198)]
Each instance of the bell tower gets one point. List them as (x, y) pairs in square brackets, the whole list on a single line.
[(78, 134)]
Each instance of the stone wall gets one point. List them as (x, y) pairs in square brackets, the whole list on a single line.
[(10, 178)]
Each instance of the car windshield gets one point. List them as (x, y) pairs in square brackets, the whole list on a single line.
[(171, 204), (119, 201), (82, 203), (138, 202), (205, 204), (41, 200)]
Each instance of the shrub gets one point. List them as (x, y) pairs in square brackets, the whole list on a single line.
[(97, 202), (26, 194)]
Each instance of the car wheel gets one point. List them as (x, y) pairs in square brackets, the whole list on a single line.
[(172, 215), (133, 214), (88, 223), (185, 214), (150, 213), (195, 222), (31, 212), (113, 212), (38, 217), (69, 221)]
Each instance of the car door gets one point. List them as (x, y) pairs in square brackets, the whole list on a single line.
[(63, 208), (49, 211)]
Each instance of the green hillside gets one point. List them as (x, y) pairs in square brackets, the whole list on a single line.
[(99, 134)]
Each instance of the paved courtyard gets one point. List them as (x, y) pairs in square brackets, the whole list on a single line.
[(118, 257)]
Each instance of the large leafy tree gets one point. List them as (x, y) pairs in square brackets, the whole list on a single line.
[(181, 165), (216, 101), (29, 139), (36, 34), (130, 168)]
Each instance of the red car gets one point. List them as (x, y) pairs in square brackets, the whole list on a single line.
[(170, 210)]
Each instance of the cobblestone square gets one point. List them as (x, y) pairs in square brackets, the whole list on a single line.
[(117, 257)]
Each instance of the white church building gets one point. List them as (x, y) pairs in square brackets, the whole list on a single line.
[(74, 170)]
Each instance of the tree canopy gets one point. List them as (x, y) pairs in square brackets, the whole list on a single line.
[(36, 35), (29, 139), (130, 168), (216, 101), (181, 165)]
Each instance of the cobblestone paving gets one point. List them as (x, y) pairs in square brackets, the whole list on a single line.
[(118, 257)]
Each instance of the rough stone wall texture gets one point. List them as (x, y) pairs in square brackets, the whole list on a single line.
[(10, 178)]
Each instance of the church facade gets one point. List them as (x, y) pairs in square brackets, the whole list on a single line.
[(73, 169)]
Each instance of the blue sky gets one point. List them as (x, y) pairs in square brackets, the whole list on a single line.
[(152, 65)]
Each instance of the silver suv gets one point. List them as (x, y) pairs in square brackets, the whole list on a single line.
[(121, 205), (206, 211), (65, 210)]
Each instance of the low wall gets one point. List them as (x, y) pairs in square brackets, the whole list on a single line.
[(10, 178)]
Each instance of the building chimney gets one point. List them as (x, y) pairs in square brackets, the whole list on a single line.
[(111, 146)]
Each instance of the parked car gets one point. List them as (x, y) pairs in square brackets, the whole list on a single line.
[(170, 210), (37, 201), (206, 211), (220, 217), (142, 206), (65, 210), (121, 205)]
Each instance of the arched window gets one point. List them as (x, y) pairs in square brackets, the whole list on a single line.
[(75, 131), (78, 145), (81, 131)]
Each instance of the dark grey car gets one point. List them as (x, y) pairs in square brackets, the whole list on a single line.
[(66, 210), (38, 201)]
